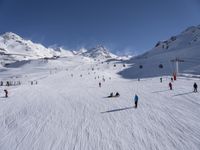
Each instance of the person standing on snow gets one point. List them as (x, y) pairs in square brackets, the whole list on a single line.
[(6, 93), (170, 85), (99, 84), (160, 79), (136, 98), (195, 87)]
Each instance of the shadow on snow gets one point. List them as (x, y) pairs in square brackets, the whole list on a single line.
[(183, 94), (120, 109)]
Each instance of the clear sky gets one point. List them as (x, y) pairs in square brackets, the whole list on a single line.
[(124, 26)]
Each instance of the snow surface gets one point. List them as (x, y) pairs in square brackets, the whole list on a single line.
[(63, 112)]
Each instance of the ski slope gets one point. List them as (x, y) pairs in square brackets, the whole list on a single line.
[(63, 112)]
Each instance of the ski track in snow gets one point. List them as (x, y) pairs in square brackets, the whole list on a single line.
[(64, 112)]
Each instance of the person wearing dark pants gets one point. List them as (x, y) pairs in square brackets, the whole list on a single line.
[(136, 98), (6, 93), (195, 87)]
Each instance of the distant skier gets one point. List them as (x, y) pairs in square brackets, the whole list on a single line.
[(7, 83), (136, 98), (1, 83), (111, 95), (174, 75), (117, 94), (6, 93), (99, 84), (195, 87), (170, 85), (172, 79), (160, 79)]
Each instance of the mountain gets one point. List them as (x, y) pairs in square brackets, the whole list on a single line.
[(184, 46), (14, 48), (98, 52)]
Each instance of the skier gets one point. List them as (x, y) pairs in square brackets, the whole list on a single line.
[(111, 94), (170, 85), (99, 84), (6, 93), (174, 75), (160, 79), (1, 83), (195, 87), (117, 94), (172, 79), (7, 83), (136, 100)]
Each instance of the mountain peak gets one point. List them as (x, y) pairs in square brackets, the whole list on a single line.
[(11, 35), (99, 51)]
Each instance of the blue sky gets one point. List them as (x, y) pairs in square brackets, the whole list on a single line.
[(124, 26)]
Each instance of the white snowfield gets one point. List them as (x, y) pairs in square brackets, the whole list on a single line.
[(65, 111)]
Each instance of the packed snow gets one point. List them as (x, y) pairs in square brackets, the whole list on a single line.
[(67, 109), (59, 100)]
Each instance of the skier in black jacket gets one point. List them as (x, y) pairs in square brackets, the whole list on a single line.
[(195, 87)]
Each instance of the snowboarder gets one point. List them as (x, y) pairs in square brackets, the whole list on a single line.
[(99, 84), (160, 79), (136, 100), (195, 87), (6, 93), (170, 85)]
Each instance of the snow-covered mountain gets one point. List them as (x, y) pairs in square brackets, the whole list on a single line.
[(14, 48), (99, 52), (185, 46)]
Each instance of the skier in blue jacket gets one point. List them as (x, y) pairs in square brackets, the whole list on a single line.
[(136, 100)]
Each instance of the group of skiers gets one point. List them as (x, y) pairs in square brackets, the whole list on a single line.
[(10, 83), (112, 95), (34, 82), (195, 86)]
